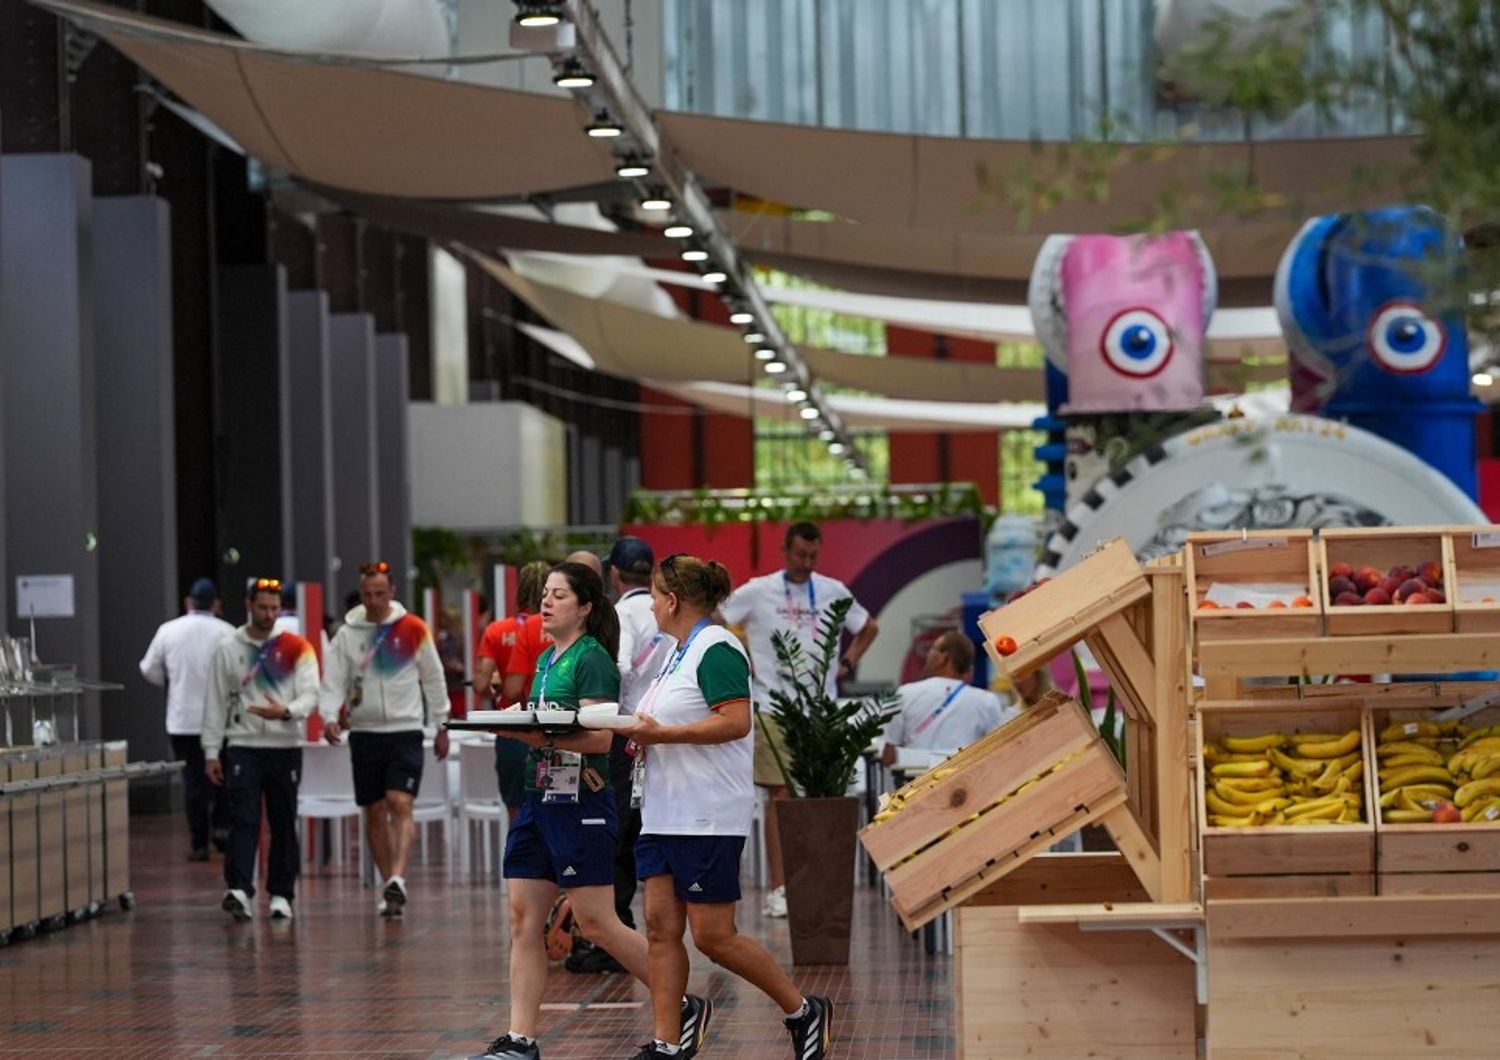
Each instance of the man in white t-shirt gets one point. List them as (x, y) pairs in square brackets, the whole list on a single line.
[(792, 600), (178, 658), (943, 712)]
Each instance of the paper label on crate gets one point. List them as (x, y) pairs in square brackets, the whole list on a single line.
[(1487, 539), (1411, 728), (1219, 548), (1491, 814)]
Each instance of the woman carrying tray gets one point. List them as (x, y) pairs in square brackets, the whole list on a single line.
[(564, 836), (693, 779)]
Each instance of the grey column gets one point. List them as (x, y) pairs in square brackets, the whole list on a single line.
[(249, 354), (46, 346), (138, 583), (392, 386), (309, 436), (351, 359)]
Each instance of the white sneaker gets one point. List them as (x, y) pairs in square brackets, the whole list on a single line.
[(237, 904), (775, 903), (281, 908)]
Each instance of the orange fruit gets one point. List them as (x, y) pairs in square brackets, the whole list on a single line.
[(1006, 645), (1302, 601), (1208, 605), (1277, 603)]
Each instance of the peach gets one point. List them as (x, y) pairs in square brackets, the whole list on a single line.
[(1208, 605), (1411, 585), (1302, 601), (1349, 599), (1366, 578), (1341, 583), (1277, 604), (1340, 570), (1400, 573), (1447, 813), (1436, 596), (1417, 598), (1245, 605), (1390, 585), (1431, 572), (1377, 595)]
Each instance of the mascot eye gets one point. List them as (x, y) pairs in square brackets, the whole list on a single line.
[(1136, 343), (1405, 340)]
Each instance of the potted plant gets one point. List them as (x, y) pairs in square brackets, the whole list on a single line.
[(825, 738)]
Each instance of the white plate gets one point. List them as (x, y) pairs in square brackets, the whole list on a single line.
[(606, 721), (506, 719)]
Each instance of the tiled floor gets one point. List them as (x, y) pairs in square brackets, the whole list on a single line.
[(177, 978)]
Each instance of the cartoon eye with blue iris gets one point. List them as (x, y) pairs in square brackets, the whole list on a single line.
[(1406, 340), (1136, 343)]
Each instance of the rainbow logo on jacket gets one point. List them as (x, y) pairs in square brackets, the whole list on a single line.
[(399, 648), (280, 661)]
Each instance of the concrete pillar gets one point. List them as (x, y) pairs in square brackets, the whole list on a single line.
[(351, 355), (310, 436), (391, 392)]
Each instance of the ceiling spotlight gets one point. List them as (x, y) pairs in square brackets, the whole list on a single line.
[(536, 14), (753, 337), (677, 231), (656, 201), (775, 367), (570, 73), (1483, 379), (694, 254), (795, 395), (603, 127), (715, 276), (765, 353), (836, 448), (630, 167), (742, 317)]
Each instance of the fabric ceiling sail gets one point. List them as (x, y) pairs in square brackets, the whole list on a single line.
[(931, 182), (637, 345), (355, 126)]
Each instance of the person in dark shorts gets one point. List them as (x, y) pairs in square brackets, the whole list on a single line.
[(384, 668), (491, 662), (693, 778)]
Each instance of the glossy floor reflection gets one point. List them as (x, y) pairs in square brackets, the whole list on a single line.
[(177, 978)]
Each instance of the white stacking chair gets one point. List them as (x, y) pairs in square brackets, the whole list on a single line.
[(479, 802), (432, 805), (326, 791)]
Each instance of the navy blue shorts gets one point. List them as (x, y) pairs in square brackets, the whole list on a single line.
[(704, 868), (385, 761), (570, 843)]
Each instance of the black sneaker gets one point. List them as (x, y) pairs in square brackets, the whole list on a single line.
[(198, 854), (812, 1032), (652, 1050), (591, 960), (508, 1047), (696, 1012), (395, 896)]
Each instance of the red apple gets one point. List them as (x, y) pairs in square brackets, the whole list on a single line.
[(1447, 813), (1377, 595), (1341, 583), (1431, 572), (1350, 599), (1417, 598), (1340, 570)]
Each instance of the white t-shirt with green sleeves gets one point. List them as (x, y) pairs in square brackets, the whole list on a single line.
[(699, 789)]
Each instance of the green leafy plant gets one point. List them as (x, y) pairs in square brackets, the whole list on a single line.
[(824, 737), (1110, 729)]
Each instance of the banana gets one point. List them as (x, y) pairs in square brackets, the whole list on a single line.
[(1303, 767), (1405, 800), (1316, 806), (1237, 797), (1433, 791), (1252, 744), (1242, 769), (1488, 767), (1250, 783), (1355, 771), (1407, 816), (1482, 811), (1432, 758), (1404, 775), (1297, 739), (1407, 749), (1335, 748), (1223, 807), (1475, 789), (1216, 754), (1349, 816), (1486, 744), (1319, 813), (1453, 728), (1479, 734), (1400, 730), (1325, 781), (1222, 821)]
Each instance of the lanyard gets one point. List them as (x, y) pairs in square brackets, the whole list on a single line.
[(260, 660), (669, 667), (381, 632), (941, 707), (812, 598), (553, 658)]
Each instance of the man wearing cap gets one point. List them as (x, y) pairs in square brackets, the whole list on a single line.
[(178, 658)]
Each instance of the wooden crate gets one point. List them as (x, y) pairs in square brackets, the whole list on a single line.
[(1249, 559), (1052, 616), (51, 842), (1396, 977), (25, 894), (76, 838), (116, 824), (1474, 579), (966, 823), (1283, 860), (1461, 858), (1383, 548)]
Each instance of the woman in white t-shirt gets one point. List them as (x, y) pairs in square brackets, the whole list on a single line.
[(693, 777)]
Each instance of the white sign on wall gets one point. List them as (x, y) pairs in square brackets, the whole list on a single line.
[(44, 596)]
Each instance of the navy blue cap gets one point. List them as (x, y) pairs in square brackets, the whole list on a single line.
[(204, 592), (631, 555)]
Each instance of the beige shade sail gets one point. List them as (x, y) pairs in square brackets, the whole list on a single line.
[(637, 345), (356, 126), (934, 182)]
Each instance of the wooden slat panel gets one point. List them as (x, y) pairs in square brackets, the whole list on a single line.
[(1052, 991), (25, 900), (1412, 654), (1133, 842), (1438, 847), (76, 831), (1060, 878), (1399, 883), (50, 841), (116, 825), (1301, 918), (1332, 886), (1139, 915), (1171, 754)]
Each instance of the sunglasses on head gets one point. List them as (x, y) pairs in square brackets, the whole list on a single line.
[(375, 568), (261, 585)]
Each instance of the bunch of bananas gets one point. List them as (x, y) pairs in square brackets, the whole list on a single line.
[(1280, 778), (1428, 770)]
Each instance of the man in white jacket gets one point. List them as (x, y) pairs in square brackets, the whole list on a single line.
[(262, 686), (383, 665)]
